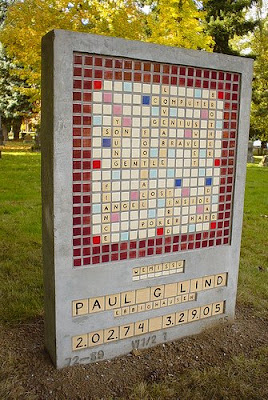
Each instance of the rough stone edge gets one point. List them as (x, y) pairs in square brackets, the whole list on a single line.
[(47, 183)]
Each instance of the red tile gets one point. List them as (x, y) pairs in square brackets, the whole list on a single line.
[(98, 61), (97, 85), (88, 60), (160, 231), (77, 262), (96, 239), (77, 59), (96, 164)]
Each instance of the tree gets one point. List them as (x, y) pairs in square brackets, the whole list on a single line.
[(259, 109), (14, 105), (226, 19), (178, 23), (27, 21)]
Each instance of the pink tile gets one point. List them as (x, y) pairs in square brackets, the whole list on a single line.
[(185, 192), (134, 195), (200, 209), (115, 217), (127, 121), (188, 133), (204, 114), (117, 109), (107, 97)]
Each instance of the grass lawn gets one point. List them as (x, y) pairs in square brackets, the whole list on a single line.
[(238, 377)]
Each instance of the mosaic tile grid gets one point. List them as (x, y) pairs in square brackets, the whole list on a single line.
[(153, 158)]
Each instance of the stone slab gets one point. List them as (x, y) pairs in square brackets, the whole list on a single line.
[(174, 282)]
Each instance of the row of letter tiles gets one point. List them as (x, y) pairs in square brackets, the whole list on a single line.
[(149, 294), (132, 329), (156, 270), (119, 124)]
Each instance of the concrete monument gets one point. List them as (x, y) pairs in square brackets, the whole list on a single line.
[(144, 151)]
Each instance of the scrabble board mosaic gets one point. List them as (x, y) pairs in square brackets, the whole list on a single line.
[(154, 149)]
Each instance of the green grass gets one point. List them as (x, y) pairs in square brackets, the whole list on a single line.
[(20, 239), (253, 285)]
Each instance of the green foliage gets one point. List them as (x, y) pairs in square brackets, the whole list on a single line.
[(29, 20), (259, 110), (13, 103), (225, 19), (178, 23)]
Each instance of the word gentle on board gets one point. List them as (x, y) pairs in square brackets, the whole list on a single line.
[(143, 180)]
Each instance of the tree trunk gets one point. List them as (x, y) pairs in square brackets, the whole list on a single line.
[(16, 124), (5, 132), (263, 146)]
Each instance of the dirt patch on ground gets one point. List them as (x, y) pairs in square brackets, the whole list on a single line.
[(27, 373)]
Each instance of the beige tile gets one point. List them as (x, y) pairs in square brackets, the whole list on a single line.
[(157, 292), (80, 307), (126, 132), (141, 307), (96, 304), (141, 327), (111, 334), (95, 338), (181, 317), (135, 163), (112, 301), (135, 271), (142, 295), (192, 296), (79, 342), (106, 238), (163, 303), (150, 269), (184, 298), (208, 282), (177, 299), (144, 270), (183, 287), (194, 314), (106, 228), (117, 313), (171, 289), (173, 265), (180, 264), (155, 100), (133, 309), (126, 331), (206, 311), (218, 308), (196, 285), (221, 280), (124, 311), (105, 218), (169, 320), (165, 266), (171, 301), (156, 304), (106, 132), (155, 324)]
